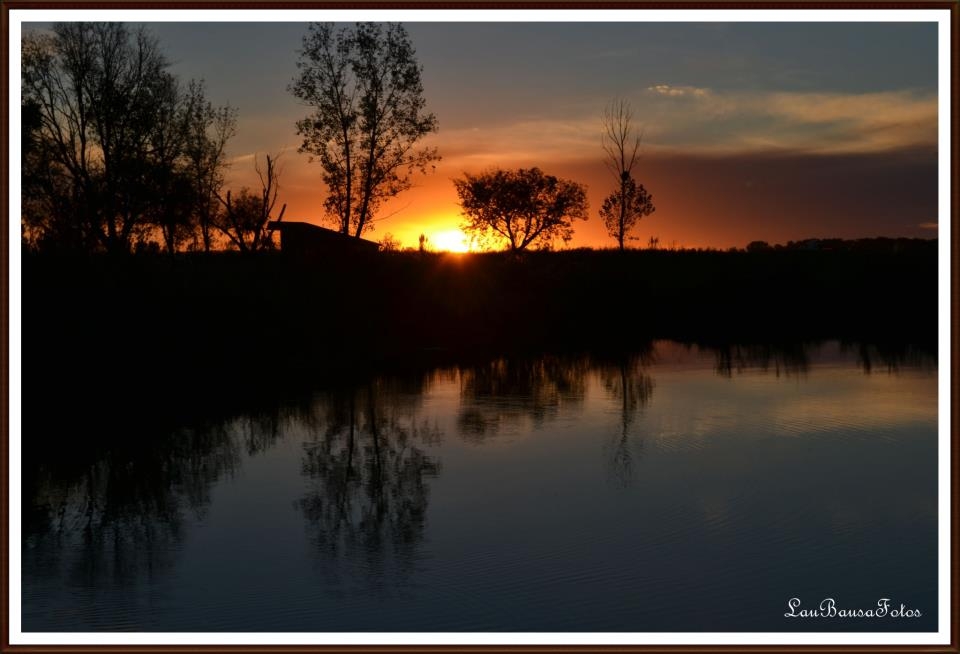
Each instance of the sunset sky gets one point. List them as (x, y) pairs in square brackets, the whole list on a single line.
[(752, 131)]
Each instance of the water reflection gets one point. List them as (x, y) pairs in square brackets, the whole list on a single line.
[(506, 394), (120, 516), (631, 388), (366, 495), (792, 360), (368, 474), (890, 357)]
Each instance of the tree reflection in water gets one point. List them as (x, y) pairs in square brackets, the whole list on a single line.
[(505, 393), (891, 357), (368, 476), (792, 359), (116, 512), (626, 382)]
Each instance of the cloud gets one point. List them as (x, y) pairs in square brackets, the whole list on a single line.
[(679, 91), (241, 158), (861, 122), (928, 225), (620, 53), (871, 108), (704, 121), (725, 122), (522, 143)]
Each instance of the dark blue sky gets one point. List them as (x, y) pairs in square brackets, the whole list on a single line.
[(536, 68)]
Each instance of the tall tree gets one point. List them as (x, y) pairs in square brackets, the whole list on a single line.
[(166, 186), (364, 86), (523, 207), (208, 130), (622, 210)]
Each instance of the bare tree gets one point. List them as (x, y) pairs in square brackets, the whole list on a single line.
[(244, 219), (622, 210), (170, 198), (369, 114), (208, 130)]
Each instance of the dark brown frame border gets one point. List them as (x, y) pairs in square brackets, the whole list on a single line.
[(951, 5)]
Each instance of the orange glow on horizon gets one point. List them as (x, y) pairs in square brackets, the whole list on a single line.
[(449, 240), (699, 203)]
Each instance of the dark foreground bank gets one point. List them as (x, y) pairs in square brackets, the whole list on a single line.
[(150, 327)]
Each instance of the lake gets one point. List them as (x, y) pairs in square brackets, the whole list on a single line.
[(677, 488)]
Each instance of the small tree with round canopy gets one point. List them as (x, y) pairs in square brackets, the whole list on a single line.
[(524, 208)]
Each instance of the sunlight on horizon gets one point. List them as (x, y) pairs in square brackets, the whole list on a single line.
[(450, 240)]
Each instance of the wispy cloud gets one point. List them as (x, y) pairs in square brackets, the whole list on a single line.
[(705, 121), (867, 121), (679, 91), (241, 158), (810, 122), (676, 121), (519, 144), (872, 108), (619, 53)]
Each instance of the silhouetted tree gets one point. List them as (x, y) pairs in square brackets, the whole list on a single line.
[(622, 210), (170, 202), (244, 219), (34, 211), (208, 130), (369, 114), (524, 207), (389, 243), (107, 155), (758, 246), (91, 82)]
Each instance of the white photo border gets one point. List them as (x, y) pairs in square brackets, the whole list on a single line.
[(16, 18)]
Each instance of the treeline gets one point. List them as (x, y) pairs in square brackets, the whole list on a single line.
[(878, 244)]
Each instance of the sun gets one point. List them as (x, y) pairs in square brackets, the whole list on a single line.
[(450, 240)]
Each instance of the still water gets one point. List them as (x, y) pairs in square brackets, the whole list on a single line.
[(675, 489)]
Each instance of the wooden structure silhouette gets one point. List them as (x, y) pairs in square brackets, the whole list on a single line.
[(302, 239)]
